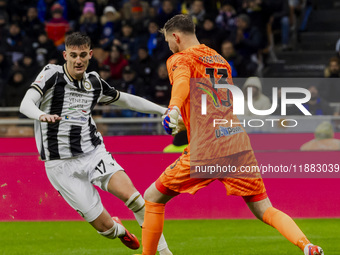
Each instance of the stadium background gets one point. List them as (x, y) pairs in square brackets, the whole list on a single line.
[(136, 140)]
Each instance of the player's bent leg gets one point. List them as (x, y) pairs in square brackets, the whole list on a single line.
[(264, 211), (128, 239), (103, 222), (121, 186), (136, 204), (154, 219), (112, 228)]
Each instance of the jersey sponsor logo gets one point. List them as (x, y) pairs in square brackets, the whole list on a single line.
[(227, 131), (80, 119)]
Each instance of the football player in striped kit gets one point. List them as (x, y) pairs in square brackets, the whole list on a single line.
[(60, 101)]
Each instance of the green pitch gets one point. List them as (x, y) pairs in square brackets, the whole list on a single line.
[(185, 237)]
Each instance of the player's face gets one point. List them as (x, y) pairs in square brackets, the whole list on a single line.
[(77, 60), (171, 39)]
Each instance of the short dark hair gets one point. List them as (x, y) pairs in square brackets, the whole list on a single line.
[(77, 39), (181, 22)]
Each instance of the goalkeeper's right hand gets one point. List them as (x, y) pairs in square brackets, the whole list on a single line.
[(170, 120)]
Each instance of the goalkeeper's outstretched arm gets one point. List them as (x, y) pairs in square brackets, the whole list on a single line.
[(139, 104)]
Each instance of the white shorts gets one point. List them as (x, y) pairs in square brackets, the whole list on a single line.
[(74, 178)]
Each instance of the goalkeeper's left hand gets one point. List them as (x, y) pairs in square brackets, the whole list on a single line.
[(171, 119)]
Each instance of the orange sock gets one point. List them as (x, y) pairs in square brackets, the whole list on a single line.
[(286, 226), (152, 227)]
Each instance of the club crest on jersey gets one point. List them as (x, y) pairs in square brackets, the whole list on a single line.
[(87, 85)]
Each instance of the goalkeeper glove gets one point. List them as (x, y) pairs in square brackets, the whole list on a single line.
[(170, 120)]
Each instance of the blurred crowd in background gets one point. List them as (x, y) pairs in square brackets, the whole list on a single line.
[(129, 51)]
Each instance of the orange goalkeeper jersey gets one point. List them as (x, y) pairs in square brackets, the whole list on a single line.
[(193, 72)]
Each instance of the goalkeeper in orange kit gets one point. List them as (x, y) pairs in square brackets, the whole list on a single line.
[(189, 68)]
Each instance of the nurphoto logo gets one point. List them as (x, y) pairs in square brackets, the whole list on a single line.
[(239, 103)]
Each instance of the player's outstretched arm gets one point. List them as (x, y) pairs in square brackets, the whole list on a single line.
[(139, 104), (28, 107), (49, 118)]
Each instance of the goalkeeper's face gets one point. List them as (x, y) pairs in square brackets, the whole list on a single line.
[(173, 40)]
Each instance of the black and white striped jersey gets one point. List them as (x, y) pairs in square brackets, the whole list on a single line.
[(73, 100)]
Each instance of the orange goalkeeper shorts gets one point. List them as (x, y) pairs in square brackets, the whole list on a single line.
[(176, 178)]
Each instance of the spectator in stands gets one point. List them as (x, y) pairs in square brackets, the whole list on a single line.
[(295, 9), (29, 64), (333, 68), (4, 9), (166, 12), (316, 105), (324, 139), (209, 34), (138, 13), (197, 12), (74, 11), (246, 38), (144, 65), (57, 27), (239, 66), (226, 19), (89, 24), (108, 112), (105, 74), (45, 9), (157, 46), (5, 67), (131, 84), (160, 86), (259, 14), (127, 41), (109, 21), (14, 43), (3, 24), (15, 89), (45, 50), (32, 25), (260, 101), (116, 61), (280, 20), (337, 48), (135, 6), (185, 6), (306, 11), (102, 4)]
